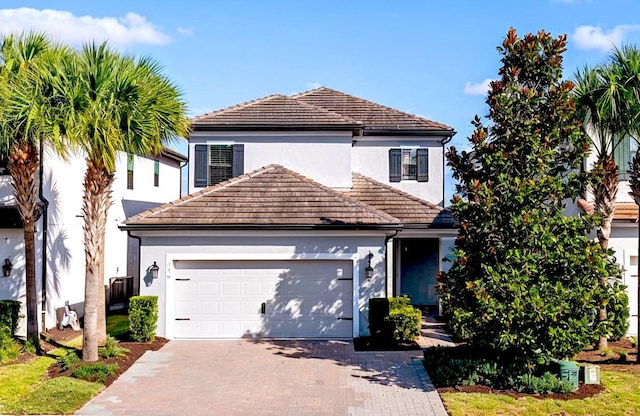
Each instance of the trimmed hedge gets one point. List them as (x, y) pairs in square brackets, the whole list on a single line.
[(393, 320), (143, 318), (9, 315)]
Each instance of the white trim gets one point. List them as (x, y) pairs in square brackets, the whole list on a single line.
[(275, 133), (171, 258)]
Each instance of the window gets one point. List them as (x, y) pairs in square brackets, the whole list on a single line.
[(623, 155), (156, 173), (217, 163), (410, 164), (129, 171)]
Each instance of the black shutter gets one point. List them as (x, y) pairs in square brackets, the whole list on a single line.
[(395, 165), (200, 167), (238, 160), (422, 159)]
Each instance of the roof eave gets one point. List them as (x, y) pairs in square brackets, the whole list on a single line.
[(257, 227), (275, 127), (408, 132)]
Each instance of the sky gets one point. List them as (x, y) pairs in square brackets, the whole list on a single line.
[(432, 58)]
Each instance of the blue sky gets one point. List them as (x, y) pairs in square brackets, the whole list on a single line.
[(425, 57)]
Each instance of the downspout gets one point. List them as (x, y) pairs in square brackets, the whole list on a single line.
[(444, 141), (386, 276), (45, 223), (182, 165)]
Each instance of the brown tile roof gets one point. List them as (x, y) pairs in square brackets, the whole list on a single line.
[(268, 197), (624, 211), (374, 116), (271, 112), (406, 207)]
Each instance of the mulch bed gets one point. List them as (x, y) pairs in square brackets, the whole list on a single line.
[(589, 355), (137, 349)]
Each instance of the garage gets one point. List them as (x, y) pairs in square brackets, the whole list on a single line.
[(273, 299)]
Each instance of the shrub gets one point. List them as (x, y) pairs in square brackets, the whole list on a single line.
[(393, 320), (111, 349), (143, 318), (623, 355), (95, 371), (617, 311), (69, 359), (406, 322), (544, 384), (634, 341), (30, 347), (9, 347), (9, 314)]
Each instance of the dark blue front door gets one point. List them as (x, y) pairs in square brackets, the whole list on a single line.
[(419, 264)]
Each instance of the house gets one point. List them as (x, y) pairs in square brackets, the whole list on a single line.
[(301, 209), (140, 183), (624, 230)]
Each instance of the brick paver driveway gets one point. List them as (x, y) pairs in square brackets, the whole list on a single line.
[(270, 378)]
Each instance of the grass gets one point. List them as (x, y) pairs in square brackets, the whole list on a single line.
[(24, 391), (117, 325), (621, 398)]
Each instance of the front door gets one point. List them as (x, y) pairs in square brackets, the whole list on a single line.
[(418, 266)]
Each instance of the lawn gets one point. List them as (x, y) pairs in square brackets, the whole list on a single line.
[(622, 397)]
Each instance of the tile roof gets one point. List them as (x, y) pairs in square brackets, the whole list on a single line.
[(271, 112), (624, 211), (268, 197), (374, 116), (320, 108), (406, 207)]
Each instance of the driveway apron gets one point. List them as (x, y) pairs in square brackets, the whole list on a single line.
[(243, 377)]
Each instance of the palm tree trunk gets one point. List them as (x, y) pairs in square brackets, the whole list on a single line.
[(23, 167), (605, 191), (101, 331), (97, 199)]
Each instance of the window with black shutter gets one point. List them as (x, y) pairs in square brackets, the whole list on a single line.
[(623, 155), (217, 163), (410, 164), (156, 173)]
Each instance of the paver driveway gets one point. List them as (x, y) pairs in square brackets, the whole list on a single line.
[(255, 378)]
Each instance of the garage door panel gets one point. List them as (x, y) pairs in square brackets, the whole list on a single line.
[(302, 299)]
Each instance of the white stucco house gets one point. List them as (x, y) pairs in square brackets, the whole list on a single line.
[(140, 183), (300, 209)]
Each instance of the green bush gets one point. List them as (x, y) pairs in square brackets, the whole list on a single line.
[(9, 314), (111, 349), (393, 320), (143, 318), (618, 311), (544, 384), (9, 347), (406, 322), (69, 359), (95, 371)]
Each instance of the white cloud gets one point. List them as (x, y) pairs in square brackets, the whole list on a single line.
[(66, 27), (313, 85), (595, 37), (185, 30), (477, 88)]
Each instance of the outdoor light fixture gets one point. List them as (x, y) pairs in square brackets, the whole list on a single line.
[(368, 271), (6, 267), (154, 270)]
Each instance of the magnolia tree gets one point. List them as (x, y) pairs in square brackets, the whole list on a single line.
[(524, 281)]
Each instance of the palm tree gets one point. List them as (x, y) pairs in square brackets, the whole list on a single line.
[(25, 95), (116, 104)]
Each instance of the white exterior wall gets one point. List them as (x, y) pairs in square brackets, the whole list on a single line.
[(166, 247), (323, 157), (63, 188), (370, 157), (624, 241)]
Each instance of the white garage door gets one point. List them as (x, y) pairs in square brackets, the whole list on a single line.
[(278, 299)]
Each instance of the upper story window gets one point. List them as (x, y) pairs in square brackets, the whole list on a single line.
[(217, 163), (129, 171), (410, 164), (623, 155), (156, 173)]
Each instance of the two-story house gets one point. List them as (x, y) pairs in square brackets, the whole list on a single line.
[(140, 183), (301, 209)]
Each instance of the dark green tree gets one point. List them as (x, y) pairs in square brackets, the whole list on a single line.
[(525, 279)]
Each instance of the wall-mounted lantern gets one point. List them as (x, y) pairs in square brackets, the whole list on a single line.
[(154, 270), (6, 267), (368, 271)]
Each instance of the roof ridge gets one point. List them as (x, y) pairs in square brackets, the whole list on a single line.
[(364, 100), (237, 106), (398, 191)]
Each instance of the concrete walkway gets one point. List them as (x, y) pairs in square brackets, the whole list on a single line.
[(433, 334), (244, 377)]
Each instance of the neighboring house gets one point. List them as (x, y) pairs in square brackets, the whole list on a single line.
[(140, 183), (301, 209), (624, 230)]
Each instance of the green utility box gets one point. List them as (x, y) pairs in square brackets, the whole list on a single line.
[(569, 372), (590, 373)]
